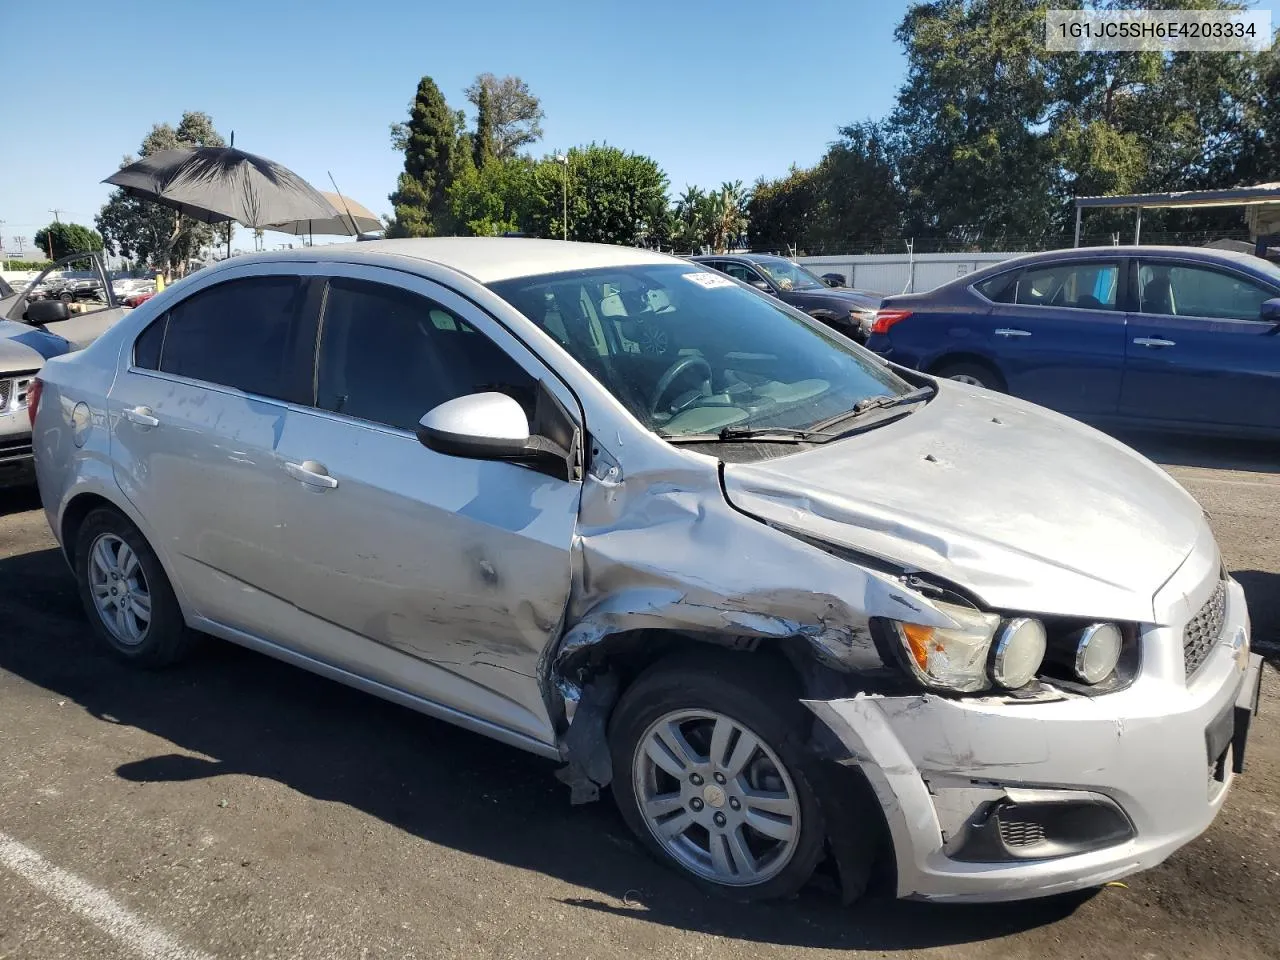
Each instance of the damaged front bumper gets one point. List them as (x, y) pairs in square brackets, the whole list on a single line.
[(993, 799)]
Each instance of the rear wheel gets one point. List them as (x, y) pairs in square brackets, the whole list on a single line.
[(974, 374), (126, 595), (709, 771)]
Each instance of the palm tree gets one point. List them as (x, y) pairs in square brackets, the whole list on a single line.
[(730, 215)]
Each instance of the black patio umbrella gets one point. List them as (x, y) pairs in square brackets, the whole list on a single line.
[(218, 184)]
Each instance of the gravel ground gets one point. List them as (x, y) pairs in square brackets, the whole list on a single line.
[(236, 807)]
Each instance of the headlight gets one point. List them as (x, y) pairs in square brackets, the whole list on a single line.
[(1018, 652), (950, 658), (1097, 651)]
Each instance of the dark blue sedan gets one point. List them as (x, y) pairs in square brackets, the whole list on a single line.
[(1168, 337)]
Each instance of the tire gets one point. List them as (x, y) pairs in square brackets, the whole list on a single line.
[(972, 373), (691, 691), (111, 554)]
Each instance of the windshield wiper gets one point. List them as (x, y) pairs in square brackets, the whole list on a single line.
[(737, 431), (882, 402)]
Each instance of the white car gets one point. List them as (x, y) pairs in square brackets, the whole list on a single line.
[(789, 602)]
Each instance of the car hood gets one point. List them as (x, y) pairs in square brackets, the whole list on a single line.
[(24, 348), (1029, 510)]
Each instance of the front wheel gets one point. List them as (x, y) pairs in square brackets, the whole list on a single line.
[(709, 773)]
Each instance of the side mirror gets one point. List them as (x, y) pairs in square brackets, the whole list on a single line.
[(1270, 310), (483, 426), (761, 285), (40, 312), (833, 279)]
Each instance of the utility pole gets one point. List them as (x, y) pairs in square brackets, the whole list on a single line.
[(48, 236), (19, 241), (56, 211)]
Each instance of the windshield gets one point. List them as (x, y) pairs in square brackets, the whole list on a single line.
[(787, 275), (689, 351)]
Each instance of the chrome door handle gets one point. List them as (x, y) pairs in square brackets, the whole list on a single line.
[(1154, 342), (1007, 332), (312, 473), (142, 416)]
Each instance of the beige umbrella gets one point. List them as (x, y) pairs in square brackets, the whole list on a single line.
[(353, 219)]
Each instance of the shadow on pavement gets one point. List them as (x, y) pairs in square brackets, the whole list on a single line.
[(1220, 453), (261, 718), (18, 500)]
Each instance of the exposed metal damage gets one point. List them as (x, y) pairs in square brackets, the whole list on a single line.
[(665, 553)]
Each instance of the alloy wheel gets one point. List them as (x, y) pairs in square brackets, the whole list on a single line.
[(716, 797), (119, 588)]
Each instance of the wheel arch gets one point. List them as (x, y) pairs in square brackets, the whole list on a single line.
[(957, 357)]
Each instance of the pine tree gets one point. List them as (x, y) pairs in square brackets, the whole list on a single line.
[(428, 141), (484, 129)]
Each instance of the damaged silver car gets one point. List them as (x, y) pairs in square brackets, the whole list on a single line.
[(792, 605)]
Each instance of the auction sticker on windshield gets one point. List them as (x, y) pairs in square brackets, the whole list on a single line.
[(709, 280)]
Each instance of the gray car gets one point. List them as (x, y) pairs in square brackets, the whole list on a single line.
[(790, 603), (31, 331)]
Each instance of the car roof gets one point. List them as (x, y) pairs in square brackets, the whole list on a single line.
[(484, 259), (1140, 250)]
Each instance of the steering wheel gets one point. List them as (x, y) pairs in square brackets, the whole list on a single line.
[(677, 369)]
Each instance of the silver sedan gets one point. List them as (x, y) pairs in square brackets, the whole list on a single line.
[(788, 602)]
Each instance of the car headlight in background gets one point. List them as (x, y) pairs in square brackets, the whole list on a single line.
[(1019, 650), (1097, 651)]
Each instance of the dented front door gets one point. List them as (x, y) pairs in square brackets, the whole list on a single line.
[(442, 576)]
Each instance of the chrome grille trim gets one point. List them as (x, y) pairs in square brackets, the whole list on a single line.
[(1204, 630)]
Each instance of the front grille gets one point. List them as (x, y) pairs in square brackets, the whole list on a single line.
[(13, 392), (12, 450), (6, 390), (1199, 636), (1021, 833)]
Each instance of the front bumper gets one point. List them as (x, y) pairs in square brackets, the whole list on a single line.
[(1160, 753), (17, 464)]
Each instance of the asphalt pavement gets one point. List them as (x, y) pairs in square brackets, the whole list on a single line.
[(237, 807)]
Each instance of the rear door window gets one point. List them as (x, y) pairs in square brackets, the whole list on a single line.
[(1080, 286), (242, 334)]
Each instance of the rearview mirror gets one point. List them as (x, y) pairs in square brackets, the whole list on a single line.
[(483, 426), (41, 312), (1270, 310)]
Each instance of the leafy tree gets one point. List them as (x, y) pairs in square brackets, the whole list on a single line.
[(610, 193), (60, 239), (429, 142), (693, 220), (727, 216), (495, 198), (515, 113), (783, 211), (858, 190), (483, 139), (150, 232)]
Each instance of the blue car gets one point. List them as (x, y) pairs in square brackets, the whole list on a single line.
[(1174, 338)]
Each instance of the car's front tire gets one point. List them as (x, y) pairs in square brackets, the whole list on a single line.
[(126, 594), (711, 774)]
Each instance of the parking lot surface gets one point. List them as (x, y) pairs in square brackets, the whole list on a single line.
[(237, 807)]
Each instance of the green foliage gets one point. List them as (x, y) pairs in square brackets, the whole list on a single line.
[(429, 142), (493, 199), (150, 232), (611, 195), (60, 239), (25, 264), (515, 114), (483, 139)]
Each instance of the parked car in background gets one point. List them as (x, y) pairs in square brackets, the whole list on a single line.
[(785, 601), (849, 311), (1176, 338), (35, 324)]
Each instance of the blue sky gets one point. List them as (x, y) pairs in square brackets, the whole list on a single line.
[(713, 91)]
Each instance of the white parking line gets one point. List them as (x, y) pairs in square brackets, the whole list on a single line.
[(94, 905)]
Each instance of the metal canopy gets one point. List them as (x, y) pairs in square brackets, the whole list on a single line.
[(1262, 203)]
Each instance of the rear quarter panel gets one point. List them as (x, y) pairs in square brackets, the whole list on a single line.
[(944, 323)]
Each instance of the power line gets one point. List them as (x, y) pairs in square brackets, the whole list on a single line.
[(56, 211)]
